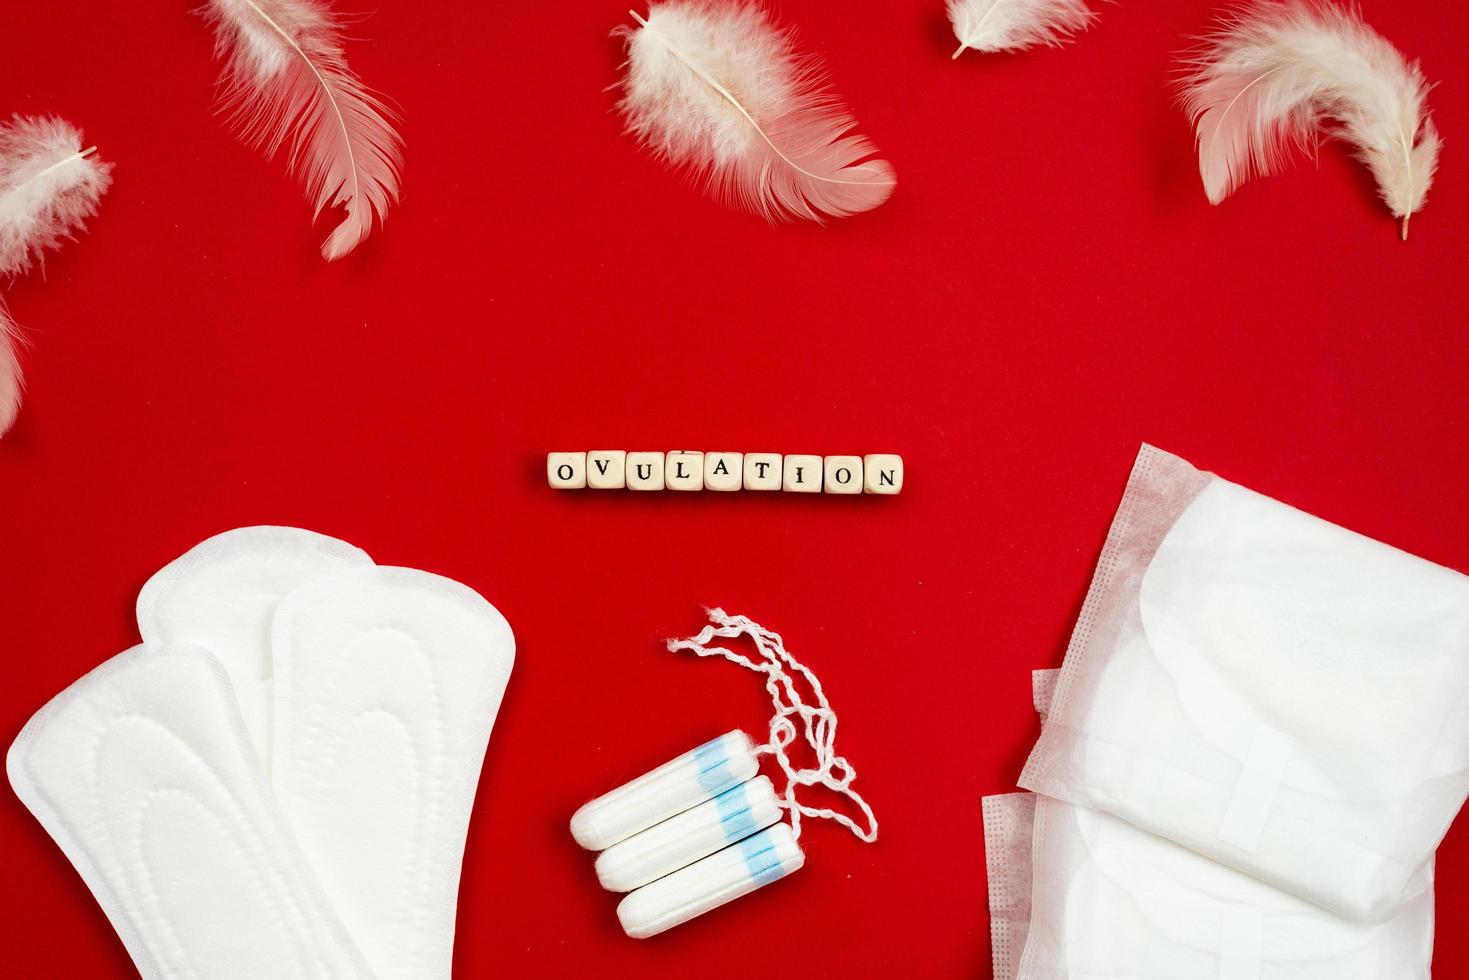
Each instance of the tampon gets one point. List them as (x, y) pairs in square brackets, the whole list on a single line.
[(668, 790), (681, 840), (704, 885)]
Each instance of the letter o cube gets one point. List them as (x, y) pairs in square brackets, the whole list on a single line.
[(566, 471)]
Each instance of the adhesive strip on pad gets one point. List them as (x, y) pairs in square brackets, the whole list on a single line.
[(1254, 793), (143, 773), (221, 594), (388, 681)]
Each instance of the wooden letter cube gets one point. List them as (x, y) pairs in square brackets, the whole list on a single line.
[(645, 471), (883, 473), (684, 471), (844, 474), (566, 471), (723, 471), (607, 469), (762, 471), (802, 474)]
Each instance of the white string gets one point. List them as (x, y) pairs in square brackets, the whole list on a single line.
[(819, 721)]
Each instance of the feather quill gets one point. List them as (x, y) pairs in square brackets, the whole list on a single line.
[(718, 90), (1014, 25), (11, 382), (287, 84), (49, 187), (1279, 75)]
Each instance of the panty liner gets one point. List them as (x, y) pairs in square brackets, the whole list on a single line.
[(387, 683), (221, 595), (143, 773), (1278, 694), (371, 689)]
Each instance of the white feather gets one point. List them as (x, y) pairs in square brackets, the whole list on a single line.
[(718, 89), (1013, 25), (287, 84), (11, 382), (49, 187), (1280, 74)]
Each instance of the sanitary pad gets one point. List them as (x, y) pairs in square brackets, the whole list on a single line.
[(1086, 895), (143, 773), (373, 691), (388, 681), (221, 595), (1113, 901), (1274, 692)]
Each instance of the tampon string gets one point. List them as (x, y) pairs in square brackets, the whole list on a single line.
[(818, 722)]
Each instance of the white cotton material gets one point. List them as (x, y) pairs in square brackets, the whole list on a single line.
[(387, 683), (700, 774), (1280, 695), (144, 775), (222, 594), (716, 880), (696, 833)]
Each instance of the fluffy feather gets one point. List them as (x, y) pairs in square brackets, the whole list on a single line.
[(10, 376), (717, 89), (49, 187), (1013, 25), (1280, 74), (287, 83)]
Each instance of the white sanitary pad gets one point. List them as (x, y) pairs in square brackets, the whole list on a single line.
[(1113, 901), (143, 773), (1086, 895), (372, 690), (221, 595), (387, 682), (1274, 692)]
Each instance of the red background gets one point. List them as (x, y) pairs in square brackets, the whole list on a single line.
[(1047, 288)]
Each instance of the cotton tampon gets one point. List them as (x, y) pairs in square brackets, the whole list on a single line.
[(683, 839), (707, 884), (669, 790)]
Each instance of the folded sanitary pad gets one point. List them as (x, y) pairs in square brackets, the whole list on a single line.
[(1086, 895), (1278, 694)]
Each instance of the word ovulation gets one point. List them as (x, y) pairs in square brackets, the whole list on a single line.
[(615, 469)]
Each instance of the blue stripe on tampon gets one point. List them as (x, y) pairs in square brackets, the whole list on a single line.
[(761, 861), (714, 775), (734, 814)]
